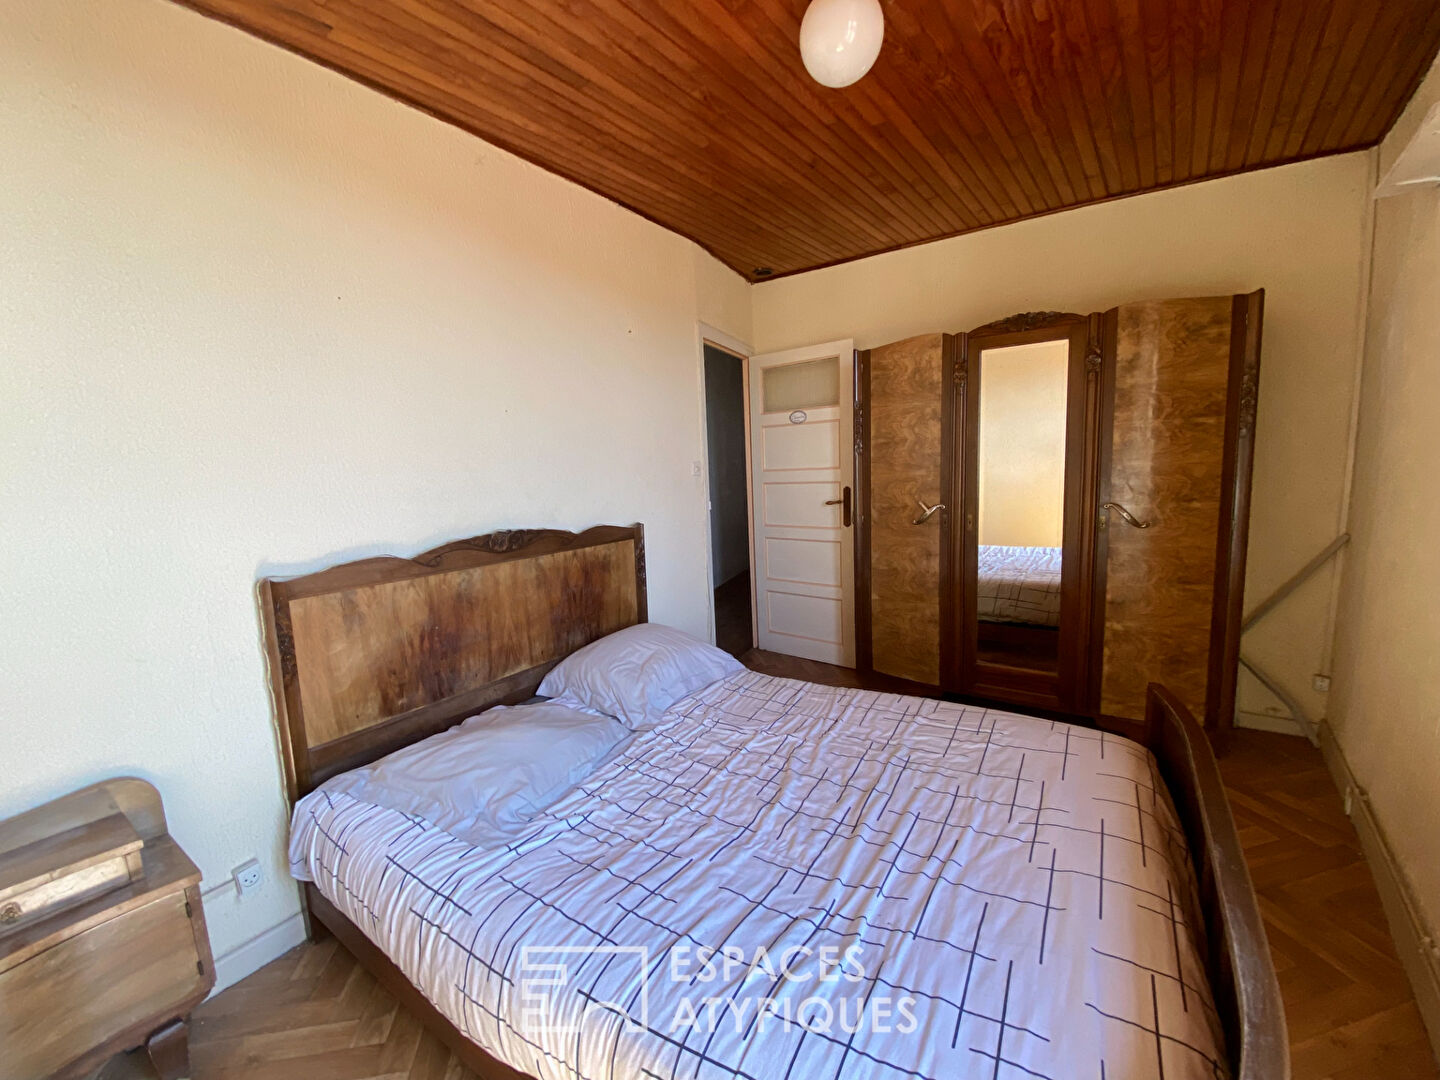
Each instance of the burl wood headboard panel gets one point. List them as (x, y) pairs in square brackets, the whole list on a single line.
[(369, 656)]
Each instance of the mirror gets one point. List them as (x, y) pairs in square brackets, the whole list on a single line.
[(1020, 454)]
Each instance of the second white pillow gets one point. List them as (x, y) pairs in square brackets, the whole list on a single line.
[(637, 673)]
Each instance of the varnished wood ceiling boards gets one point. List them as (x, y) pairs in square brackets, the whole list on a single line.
[(699, 115)]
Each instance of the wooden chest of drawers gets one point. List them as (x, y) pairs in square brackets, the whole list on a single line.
[(102, 937)]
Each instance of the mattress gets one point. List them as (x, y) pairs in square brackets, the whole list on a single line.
[(1019, 585), (785, 880)]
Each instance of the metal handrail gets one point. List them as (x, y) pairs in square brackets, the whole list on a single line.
[(1269, 604)]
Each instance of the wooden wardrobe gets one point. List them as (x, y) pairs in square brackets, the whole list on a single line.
[(1052, 509)]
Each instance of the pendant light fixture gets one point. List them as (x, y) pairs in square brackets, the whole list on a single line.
[(840, 39)]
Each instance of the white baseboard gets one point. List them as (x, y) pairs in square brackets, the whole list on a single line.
[(250, 956), (1282, 725), (1416, 943)]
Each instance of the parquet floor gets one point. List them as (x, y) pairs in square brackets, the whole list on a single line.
[(1348, 1004), (314, 1014), (732, 615)]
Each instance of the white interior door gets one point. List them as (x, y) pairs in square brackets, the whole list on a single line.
[(801, 438)]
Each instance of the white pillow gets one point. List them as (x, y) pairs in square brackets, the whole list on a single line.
[(637, 673), (484, 779)]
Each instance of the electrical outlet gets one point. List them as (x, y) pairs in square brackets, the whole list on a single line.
[(248, 877), (1320, 683)]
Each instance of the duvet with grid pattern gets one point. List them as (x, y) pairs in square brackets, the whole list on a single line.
[(786, 880)]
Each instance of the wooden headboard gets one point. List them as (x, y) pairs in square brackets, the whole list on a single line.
[(369, 656)]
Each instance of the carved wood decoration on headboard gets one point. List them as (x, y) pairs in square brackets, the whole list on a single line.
[(370, 656)]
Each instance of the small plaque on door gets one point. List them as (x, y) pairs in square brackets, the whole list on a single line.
[(799, 416)]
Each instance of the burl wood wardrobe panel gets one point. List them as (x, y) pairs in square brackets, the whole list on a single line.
[(906, 441), (1171, 382)]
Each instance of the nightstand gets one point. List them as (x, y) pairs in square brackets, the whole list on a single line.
[(102, 938)]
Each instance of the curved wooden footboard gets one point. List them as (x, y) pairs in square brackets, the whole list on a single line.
[(1242, 974)]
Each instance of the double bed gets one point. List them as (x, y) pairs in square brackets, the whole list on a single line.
[(772, 879)]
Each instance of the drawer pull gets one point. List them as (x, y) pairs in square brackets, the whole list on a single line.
[(10, 913)]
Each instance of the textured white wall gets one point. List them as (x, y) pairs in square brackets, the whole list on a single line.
[(1386, 707), (1296, 231), (255, 319)]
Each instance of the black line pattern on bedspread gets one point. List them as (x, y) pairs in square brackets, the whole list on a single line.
[(1023, 881)]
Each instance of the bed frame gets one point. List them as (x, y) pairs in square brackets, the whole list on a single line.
[(370, 656)]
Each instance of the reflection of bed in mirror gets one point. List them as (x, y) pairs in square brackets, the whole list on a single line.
[(1019, 585), (1017, 604)]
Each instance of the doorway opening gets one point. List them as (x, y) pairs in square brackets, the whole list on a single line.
[(725, 437)]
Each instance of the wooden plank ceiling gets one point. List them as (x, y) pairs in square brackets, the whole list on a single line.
[(699, 115)]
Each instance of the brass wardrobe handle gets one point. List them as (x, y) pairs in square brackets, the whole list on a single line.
[(844, 504), (1129, 518)]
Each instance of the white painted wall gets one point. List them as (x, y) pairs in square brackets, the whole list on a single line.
[(1297, 231), (1386, 700), (255, 319)]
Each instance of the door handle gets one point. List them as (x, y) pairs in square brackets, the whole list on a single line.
[(1126, 516), (844, 503), (930, 511)]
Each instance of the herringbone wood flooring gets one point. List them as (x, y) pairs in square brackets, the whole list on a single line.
[(1349, 1006), (315, 1014)]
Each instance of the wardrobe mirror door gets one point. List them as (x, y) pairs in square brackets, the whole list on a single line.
[(1020, 450)]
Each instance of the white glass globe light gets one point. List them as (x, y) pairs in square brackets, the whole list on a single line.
[(840, 39)]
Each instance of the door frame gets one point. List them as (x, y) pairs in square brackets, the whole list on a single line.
[(705, 334), (860, 403)]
